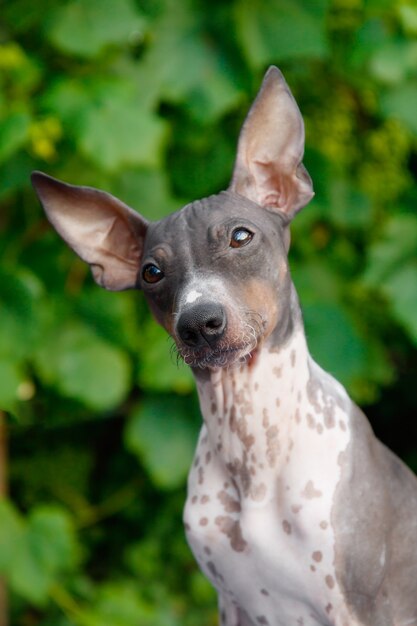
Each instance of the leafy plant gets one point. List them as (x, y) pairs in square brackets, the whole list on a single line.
[(145, 99)]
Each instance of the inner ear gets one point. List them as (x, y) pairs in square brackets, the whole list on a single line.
[(101, 229), (268, 168)]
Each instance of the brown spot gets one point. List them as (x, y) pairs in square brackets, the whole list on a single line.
[(208, 458), (329, 581), (311, 422), (320, 428), (329, 411), (232, 420), (213, 571), (196, 461), (329, 421), (324, 525), (329, 608), (200, 475), (231, 528), (313, 388), (261, 619), (277, 371), (205, 499), (220, 421), (296, 508), (342, 425), (292, 358), (204, 521), (297, 416), (277, 402), (219, 447), (264, 592), (258, 492), (207, 550), (310, 491), (286, 527), (240, 427), (312, 567), (256, 386), (272, 445), (213, 408), (265, 418), (187, 526), (317, 556), (230, 505), (194, 499)]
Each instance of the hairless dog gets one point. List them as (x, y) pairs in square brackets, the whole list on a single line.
[(296, 513)]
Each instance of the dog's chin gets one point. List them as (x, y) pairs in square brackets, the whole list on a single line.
[(219, 358)]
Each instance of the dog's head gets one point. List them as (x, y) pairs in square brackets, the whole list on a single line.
[(215, 273)]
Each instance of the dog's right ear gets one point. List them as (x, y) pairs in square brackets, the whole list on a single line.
[(102, 230)]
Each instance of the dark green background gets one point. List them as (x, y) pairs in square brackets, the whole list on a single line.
[(145, 99)]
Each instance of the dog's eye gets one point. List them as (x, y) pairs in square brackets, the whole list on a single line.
[(152, 274), (240, 237)]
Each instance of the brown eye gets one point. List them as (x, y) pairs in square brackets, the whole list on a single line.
[(240, 237), (152, 274)]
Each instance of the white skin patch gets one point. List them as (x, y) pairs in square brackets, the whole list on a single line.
[(192, 296), (259, 527)]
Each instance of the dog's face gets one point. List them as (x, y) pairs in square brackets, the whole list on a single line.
[(215, 273), (216, 277)]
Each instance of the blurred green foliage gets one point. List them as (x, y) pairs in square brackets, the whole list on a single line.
[(144, 98)]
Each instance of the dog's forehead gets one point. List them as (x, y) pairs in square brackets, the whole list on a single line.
[(195, 220)]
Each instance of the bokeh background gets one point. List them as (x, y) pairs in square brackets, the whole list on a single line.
[(144, 98)]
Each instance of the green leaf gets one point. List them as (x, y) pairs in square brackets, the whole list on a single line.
[(333, 341), (163, 435), (12, 531), (394, 61), (185, 65), (20, 297), (401, 288), (44, 552), (86, 27), (122, 133), (146, 190), (83, 367), (396, 246), (14, 129), (271, 32), (11, 378), (159, 369), (401, 103)]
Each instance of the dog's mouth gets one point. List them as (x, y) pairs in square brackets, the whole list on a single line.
[(216, 358)]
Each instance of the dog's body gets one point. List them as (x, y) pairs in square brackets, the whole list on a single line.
[(295, 511)]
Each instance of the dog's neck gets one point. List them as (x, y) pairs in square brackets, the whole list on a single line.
[(252, 411)]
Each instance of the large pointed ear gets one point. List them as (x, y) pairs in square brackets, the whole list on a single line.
[(102, 230), (268, 168)]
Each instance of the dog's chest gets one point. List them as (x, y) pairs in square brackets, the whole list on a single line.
[(261, 490)]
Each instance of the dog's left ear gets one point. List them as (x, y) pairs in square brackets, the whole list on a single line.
[(268, 168)]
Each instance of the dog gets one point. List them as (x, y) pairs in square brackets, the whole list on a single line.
[(296, 513)]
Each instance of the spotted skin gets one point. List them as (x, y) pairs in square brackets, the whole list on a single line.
[(295, 512), (270, 506)]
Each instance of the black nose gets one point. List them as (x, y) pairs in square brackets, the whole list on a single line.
[(202, 324)]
